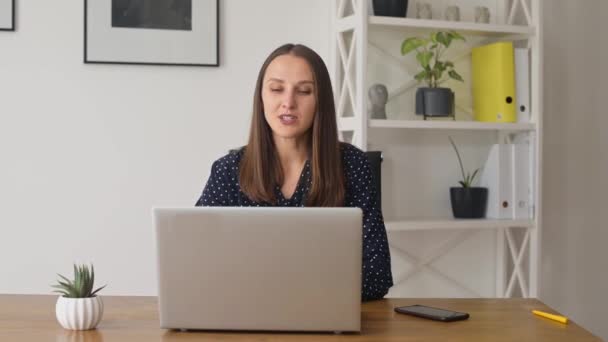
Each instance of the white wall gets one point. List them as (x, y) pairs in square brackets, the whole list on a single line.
[(87, 150), (575, 232)]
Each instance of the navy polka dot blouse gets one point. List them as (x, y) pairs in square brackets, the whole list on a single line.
[(222, 189)]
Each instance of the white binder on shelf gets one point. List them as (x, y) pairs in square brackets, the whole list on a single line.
[(498, 178), (522, 83), (522, 185)]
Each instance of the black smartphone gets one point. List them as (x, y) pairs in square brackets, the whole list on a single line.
[(432, 313)]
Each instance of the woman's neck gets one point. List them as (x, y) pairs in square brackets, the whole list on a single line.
[(292, 153)]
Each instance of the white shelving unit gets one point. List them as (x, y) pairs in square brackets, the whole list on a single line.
[(452, 223), (488, 30), (351, 42)]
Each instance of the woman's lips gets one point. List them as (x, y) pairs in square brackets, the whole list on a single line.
[(288, 119)]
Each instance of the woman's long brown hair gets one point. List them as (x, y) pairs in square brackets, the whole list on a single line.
[(260, 170)]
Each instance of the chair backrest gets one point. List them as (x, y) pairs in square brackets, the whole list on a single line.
[(375, 161)]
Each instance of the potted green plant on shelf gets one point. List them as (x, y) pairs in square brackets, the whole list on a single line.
[(467, 201), (433, 100), (78, 307)]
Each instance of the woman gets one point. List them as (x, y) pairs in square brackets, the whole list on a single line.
[(293, 157)]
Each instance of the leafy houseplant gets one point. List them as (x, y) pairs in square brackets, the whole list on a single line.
[(433, 100), (467, 179), (467, 201), (78, 307)]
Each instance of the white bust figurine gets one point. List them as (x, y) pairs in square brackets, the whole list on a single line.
[(423, 11), (482, 14), (378, 96), (452, 13)]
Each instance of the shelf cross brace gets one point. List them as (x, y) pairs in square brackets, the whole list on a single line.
[(346, 60), (513, 9), (424, 264), (516, 257)]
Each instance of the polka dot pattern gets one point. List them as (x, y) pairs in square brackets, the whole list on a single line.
[(222, 189)]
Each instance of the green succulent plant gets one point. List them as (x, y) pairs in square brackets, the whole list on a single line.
[(467, 179), (429, 53), (81, 286)]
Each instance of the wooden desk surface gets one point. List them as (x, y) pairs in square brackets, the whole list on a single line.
[(32, 318)]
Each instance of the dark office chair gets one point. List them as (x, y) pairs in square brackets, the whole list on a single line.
[(375, 161)]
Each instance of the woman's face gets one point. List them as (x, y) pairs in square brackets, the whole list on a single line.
[(289, 97)]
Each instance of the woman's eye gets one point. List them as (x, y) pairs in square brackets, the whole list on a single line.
[(305, 92), (275, 90)]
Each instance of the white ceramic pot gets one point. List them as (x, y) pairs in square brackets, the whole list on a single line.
[(79, 313)]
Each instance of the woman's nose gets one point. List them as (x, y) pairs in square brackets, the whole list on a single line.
[(289, 100)]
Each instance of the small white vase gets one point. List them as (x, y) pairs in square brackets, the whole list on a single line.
[(79, 313)]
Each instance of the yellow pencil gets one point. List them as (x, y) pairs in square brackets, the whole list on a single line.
[(558, 318)]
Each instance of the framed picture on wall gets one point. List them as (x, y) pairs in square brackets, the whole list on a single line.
[(7, 15), (158, 32)]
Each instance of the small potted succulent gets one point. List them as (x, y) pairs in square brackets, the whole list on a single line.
[(468, 201), (433, 100), (78, 307)]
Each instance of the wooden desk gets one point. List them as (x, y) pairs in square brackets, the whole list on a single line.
[(32, 318)]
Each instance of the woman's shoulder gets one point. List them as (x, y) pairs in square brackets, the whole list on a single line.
[(352, 153), (354, 162), (231, 160)]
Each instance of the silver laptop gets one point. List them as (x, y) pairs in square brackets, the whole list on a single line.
[(254, 268)]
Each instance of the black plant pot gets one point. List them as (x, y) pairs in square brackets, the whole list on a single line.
[(434, 102), (390, 8), (469, 202)]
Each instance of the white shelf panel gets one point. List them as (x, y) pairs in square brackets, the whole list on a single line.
[(453, 223), (448, 124), (459, 26)]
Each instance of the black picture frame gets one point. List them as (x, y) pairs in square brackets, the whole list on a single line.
[(88, 57), (11, 25)]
